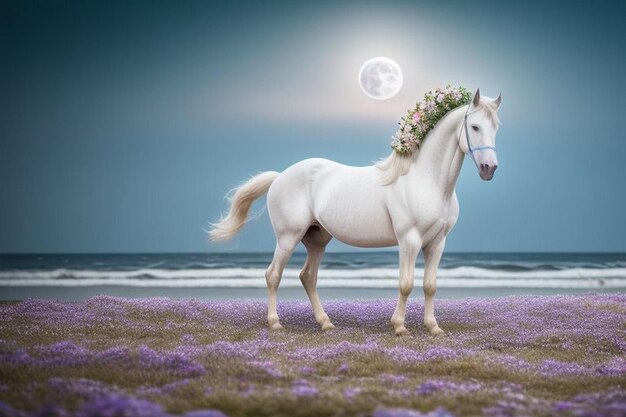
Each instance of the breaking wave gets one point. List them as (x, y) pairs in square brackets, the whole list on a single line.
[(456, 277)]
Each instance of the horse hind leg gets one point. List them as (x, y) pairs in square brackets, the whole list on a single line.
[(285, 244), (315, 241)]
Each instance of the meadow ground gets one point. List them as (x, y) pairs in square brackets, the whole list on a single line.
[(508, 356)]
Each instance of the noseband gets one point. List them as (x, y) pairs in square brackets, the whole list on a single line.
[(470, 148)]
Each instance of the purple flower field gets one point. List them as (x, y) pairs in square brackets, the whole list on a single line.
[(511, 356)]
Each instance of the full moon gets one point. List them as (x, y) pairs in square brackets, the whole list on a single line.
[(380, 78)]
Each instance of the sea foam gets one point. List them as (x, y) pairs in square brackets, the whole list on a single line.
[(459, 277)]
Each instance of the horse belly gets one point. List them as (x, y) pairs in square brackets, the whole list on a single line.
[(354, 212)]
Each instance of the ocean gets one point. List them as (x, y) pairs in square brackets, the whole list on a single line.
[(342, 275)]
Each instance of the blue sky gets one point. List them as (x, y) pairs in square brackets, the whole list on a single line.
[(123, 124)]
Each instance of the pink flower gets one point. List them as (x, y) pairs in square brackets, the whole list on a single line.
[(440, 97), (417, 117)]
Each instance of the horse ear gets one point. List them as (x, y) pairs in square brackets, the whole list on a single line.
[(476, 98), (498, 100)]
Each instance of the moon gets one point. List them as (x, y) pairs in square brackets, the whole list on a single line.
[(380, 78)]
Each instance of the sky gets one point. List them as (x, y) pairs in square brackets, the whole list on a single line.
[(123, 124)]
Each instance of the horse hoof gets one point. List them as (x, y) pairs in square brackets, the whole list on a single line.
[(436, 332), (327, 326), (276, 327), (401, 331)]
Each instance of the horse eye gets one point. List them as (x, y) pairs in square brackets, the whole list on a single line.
[(475, 128)]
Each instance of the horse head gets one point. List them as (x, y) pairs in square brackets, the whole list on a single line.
[(478, 134)]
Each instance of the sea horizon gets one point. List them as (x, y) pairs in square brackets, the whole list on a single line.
[(392, 249)]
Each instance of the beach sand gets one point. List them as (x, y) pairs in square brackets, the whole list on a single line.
[(84, 292)]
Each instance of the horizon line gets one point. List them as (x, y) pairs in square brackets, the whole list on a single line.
[(594, 252)]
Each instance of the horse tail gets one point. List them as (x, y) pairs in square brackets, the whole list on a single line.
[(240, 204)]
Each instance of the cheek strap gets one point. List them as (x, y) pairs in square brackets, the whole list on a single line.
[(470, 148)]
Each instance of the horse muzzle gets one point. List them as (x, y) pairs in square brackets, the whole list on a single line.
[(486, 171), (487, 163)]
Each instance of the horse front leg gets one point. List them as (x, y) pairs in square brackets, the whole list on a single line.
[(409, 248), (432, 256)]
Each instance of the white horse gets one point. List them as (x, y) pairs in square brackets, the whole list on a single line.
[(407, 201)]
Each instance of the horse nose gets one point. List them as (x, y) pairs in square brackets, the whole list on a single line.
[(488, 169)]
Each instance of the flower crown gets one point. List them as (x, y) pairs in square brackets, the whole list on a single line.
[(420, 120)]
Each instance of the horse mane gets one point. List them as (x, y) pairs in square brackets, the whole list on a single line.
[(397, 165)]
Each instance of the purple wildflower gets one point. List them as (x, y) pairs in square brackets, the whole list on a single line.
[(434, 386), (6, 410), (351, 393), (405, 412), (120, 406), (402, 354), (302, 388), (494, 333), (174, 362), (306, 370), (564, 406), (63, 353), (204, 413), (269, 368), (82, 387), (19, 357), (615, 367), (393, 379), (114, 355)]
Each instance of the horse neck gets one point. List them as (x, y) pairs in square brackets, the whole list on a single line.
[(440, 158)]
